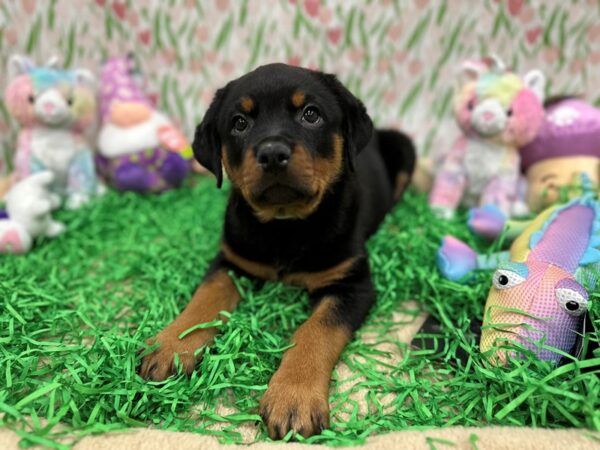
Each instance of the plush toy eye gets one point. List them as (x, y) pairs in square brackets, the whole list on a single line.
[(70, 101), (573, 302), (509, 112), (31, 99), (471, 105), (311, 115), (505, 279), (239, 124)]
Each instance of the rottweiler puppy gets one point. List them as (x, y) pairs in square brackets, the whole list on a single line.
[(311, 181)]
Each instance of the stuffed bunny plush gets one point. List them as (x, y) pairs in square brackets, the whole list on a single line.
[(29, 204)]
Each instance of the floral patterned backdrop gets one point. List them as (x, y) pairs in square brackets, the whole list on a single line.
[(399, 56)]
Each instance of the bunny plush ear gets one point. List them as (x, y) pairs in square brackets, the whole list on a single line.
[(496, 64), (84, 77), (471, 70), (53, 62), (18, 65), (536, 81)]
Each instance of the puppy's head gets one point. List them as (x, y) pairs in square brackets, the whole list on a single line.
[(284, 136)]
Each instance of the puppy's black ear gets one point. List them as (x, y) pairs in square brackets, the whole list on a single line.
[(207, 142), (357, 125)]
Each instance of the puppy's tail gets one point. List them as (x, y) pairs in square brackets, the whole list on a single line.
[(400, 157)]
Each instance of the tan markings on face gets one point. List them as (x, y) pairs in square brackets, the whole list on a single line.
[(312, 172), (247, 104), (217, 293), (259, 270), (317, 280), (297, 396), (298, 99)]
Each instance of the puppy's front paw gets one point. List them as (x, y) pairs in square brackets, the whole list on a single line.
[(301, 408), (160, 364)]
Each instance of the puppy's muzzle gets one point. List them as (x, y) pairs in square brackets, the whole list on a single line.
[(273, 156)]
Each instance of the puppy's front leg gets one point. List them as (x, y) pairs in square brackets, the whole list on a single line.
[(297, 396), (216, 293)]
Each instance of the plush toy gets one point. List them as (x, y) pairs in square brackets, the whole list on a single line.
[(498, 112), (538, 299), (54, 109), (139, 148), (29, 204), (567, 145)]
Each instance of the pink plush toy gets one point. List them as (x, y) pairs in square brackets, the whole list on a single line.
[(54, 108), (498, 112), (139, 148)]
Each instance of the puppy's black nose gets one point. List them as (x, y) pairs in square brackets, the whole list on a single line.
[(273, 155)]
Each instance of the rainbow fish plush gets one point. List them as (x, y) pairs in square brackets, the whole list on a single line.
[(539, 298)]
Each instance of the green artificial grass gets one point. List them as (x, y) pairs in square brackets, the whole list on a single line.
[(76, 310)]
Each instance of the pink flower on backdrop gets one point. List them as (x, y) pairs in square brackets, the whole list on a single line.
[(395, 31), (514, 7), (594, 57), (196, 64), (101, 3), (334, 35), (400, 56), (294, 60), (145, 37), (356, 55), (593, 32), (222, 5), (383, 64), (533, 34), (169, 55), (11, 36), (206, 95), (28, 6), (120, 9), (550, 55), (577, 65), (527, 14), (227, 68), (420, 4), (133, 18), (154, 98), (202, 33), (312, 7), (211, 57), (389, 97), (325, 15), (415, 67), (190, 4)]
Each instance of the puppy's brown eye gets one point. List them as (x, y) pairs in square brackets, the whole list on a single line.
[(239, 124), (31, 99), (311, 115)]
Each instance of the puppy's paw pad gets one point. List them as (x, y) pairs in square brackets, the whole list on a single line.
[(300, 409), (160, 364)]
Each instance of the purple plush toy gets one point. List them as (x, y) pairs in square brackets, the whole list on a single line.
[(139, 148)]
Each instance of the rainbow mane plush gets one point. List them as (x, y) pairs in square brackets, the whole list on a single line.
[(54, 108), (498, 112)]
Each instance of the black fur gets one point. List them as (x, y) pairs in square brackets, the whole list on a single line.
[(354, 204)]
